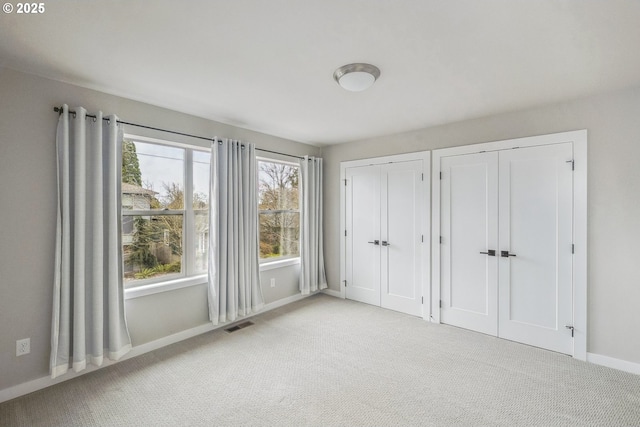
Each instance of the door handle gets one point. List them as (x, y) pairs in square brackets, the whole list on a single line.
[(506, 254), (385, 243), (375, 242), (490, 252)]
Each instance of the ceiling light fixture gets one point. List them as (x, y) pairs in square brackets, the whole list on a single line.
[(356, 77)]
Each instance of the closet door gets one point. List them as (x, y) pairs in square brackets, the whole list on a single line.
[(401, 238), (363, 237), (535, 277), (469, 232), (383, 219)]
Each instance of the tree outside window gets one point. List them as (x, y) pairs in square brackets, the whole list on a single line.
[(278, 206)]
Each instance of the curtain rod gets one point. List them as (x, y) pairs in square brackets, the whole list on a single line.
[(59, 111)]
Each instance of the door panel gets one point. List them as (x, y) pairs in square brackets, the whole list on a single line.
[(535, 285), (383, 204), (363, 226), (400, 218), (468, 227)]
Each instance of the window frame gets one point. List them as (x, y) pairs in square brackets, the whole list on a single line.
[(281, 261), (189, 276)]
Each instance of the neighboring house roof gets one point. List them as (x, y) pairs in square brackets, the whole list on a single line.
[(136, 189)]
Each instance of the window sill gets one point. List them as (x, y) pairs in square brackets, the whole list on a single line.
[(170, 285), (184, 282), (279, 264)]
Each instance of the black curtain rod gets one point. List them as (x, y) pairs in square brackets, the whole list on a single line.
[(59, 111)]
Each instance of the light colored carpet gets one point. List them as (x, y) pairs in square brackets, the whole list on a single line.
[(326, 361)]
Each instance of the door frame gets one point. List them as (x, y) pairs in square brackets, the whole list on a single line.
[(425, 258), (579, 140)]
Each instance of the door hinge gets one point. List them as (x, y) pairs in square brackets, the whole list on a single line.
[(422, 238), (422, 300), (423, 177), (440, 303), (440, 239), (345, 233), (573, 248), (573, 164), (345, 182), (440, 175)]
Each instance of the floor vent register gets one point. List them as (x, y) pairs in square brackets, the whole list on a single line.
[(238, 326)]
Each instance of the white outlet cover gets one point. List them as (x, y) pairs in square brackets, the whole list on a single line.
[(23, 347)]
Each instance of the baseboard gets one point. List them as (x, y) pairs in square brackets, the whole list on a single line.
[(332, 292), (611, 362), (170, 339), (283, 301), (44, 382)]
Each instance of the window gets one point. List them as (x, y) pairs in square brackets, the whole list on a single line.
[(278, 211), (165, 211)]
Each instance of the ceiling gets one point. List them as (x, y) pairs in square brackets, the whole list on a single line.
[(268, 65)]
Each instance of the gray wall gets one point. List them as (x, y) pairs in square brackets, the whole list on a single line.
[(613, 124), (28, 197), (28, 215)]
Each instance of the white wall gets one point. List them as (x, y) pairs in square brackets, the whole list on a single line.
[(28, 214), (613, 124)]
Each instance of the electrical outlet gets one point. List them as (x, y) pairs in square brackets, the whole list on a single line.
[(273, 283), (23, 347)]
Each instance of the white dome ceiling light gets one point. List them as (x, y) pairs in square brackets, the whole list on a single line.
[(356, 77)]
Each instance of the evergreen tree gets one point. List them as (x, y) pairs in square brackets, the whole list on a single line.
[(130, 165), (139, 253)]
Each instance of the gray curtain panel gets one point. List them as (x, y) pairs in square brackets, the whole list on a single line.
[(234, 271), (312, 273), (88, 298)]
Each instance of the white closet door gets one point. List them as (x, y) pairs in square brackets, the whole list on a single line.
[(535, 284), (363, 225), (469, 226), (401, 270)]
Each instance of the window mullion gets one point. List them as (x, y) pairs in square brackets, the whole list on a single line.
[(189, 220), (278, 211), (151, 212)]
